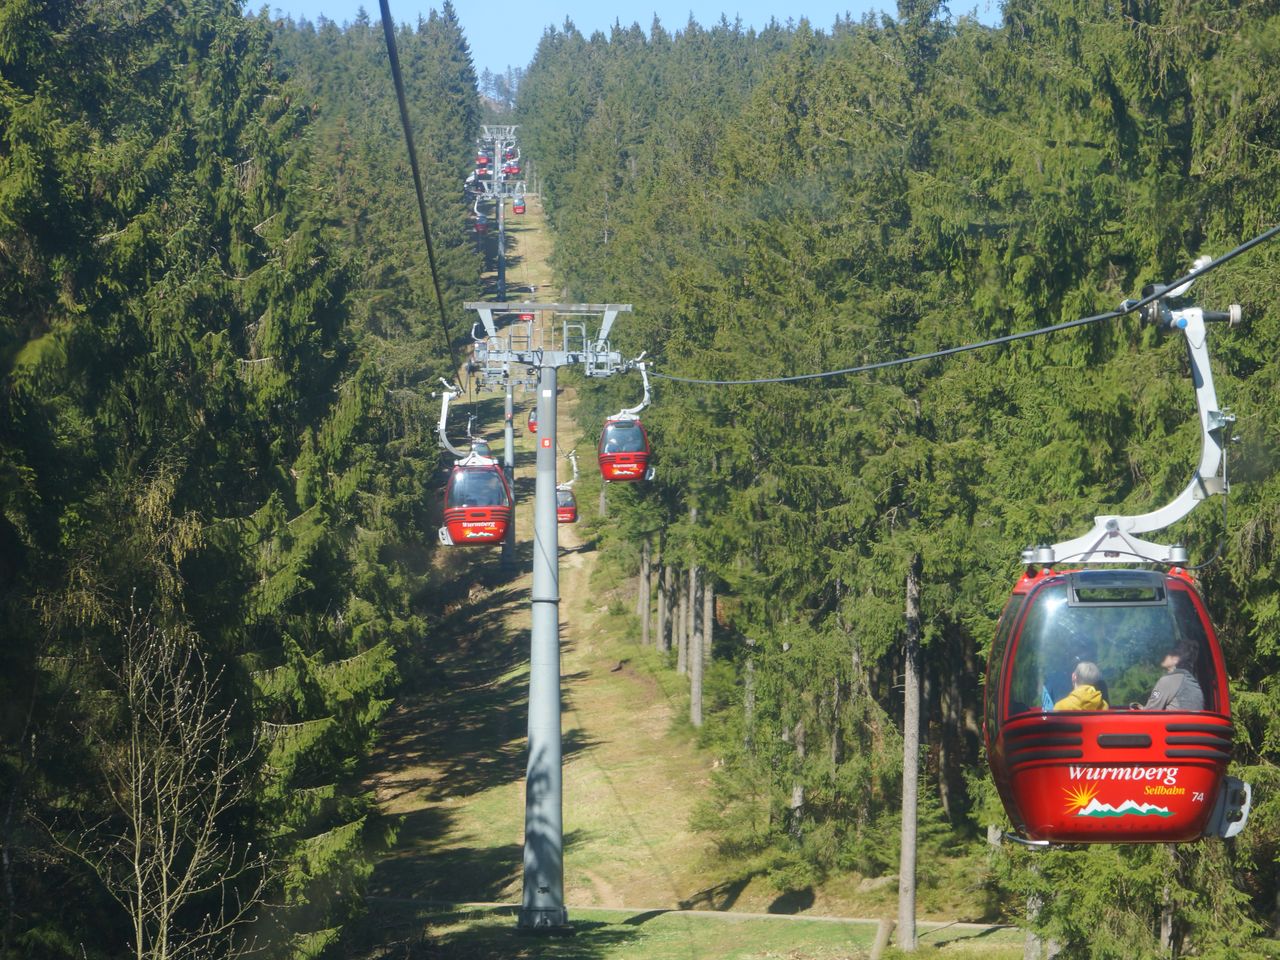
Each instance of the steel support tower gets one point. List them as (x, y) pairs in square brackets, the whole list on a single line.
[(542, 908)]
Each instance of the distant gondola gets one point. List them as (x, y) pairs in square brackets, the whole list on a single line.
[(566, 505), (624, 449), (477, 505)]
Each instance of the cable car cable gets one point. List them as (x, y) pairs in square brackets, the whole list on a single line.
[(388, 30), (1128, 307)]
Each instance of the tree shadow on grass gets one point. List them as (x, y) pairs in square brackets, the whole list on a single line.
[(463, 741), (793, 901), (492, 934), (427, 871), (721, 896), (932, 935)]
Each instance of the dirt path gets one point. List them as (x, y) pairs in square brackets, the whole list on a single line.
[(450, 763)]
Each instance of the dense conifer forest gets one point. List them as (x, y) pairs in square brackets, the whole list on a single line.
[(214, 439), (219, 336), (794, 200)]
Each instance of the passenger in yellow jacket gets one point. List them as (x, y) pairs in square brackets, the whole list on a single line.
[(1085, 695)]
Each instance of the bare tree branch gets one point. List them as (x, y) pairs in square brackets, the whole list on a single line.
[(174, 777)]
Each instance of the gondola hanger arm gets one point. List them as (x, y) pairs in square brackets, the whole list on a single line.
[(633, 412), (450, 391), (1113, 537)]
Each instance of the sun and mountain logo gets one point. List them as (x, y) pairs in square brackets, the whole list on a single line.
[(1082, 801)]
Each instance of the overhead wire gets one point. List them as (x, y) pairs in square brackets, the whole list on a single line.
[(388, 30), (1128, 307)]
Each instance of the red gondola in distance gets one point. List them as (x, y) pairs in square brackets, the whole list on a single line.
[(477, 506), (517, 205), (533, 420), (566, 505), (623, 449)]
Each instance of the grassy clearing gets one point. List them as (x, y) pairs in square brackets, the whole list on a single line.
[(489, 933)]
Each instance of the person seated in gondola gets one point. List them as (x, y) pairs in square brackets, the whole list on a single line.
[(1086, 681), (1178, 689), (1060, 681)]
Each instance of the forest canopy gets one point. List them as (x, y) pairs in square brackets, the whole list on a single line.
[(792, 200)]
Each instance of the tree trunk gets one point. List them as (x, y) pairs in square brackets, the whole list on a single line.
[(796, 809), (749, 696), (660, 639), (644, 600), (1032, 946), (691, 615), (1031, 943), (861, 688), (837, 738), (696, 661), (682, 622), (708, 616), (1170, 935), (910, 764), (666, 605), (644, 562), (947, 731), (884, 930)]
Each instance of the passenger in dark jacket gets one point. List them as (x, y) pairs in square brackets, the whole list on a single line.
[(1178, 689)]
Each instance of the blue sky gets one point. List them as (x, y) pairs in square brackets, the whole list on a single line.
[(506, 34)]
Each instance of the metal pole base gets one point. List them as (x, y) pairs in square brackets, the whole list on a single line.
[(547, 921)]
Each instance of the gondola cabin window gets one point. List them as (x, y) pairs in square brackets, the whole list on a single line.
[(1124, 624), (624, 436), (477, 488)]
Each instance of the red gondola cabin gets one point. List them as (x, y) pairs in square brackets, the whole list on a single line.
[(624, 449), (566, 505), (1129, 771), (517, 205), (533, 420), (477, 502)]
